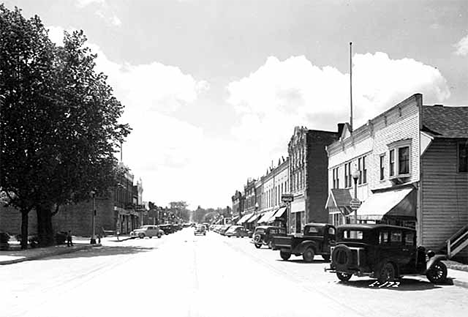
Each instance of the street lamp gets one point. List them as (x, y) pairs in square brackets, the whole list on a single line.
[(356, 175), (93, 223)]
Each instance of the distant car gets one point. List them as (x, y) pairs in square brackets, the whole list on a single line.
[(147, 231), (167, 228), (237, 231), (200, 230), (263, 235)]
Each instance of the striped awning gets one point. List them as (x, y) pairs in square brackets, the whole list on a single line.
[(244, 218)]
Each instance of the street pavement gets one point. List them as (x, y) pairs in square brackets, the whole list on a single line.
[(185, 275), (458, 272)]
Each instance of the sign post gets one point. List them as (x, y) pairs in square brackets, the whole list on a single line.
[(355, 204)]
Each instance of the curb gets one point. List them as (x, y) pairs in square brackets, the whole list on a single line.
[(57, 251)]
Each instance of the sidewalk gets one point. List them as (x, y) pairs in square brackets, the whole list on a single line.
[(16, 255), (457, 272)]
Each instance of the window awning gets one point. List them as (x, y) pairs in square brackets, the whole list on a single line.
[(266, 216), (244, 218), (253, 218), (279, 213), (338, 198), (397, 203)]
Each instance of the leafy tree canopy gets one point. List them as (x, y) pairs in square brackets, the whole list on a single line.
[(59, 125)]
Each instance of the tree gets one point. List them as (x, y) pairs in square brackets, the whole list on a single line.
[(62, 122)]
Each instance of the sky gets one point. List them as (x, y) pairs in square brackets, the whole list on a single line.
[(214, 88)]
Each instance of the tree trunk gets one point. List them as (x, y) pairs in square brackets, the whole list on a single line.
[(44, 225), (24, 229)]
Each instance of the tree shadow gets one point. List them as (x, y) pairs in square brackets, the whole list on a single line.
[(99, 251)]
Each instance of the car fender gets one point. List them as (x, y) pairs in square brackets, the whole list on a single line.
[(301, 247), (434, 259)]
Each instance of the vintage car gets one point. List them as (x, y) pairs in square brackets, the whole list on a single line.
[(200, 230), (384, 252), (315, 239), (147, 231), (263, 235), (237, 231)]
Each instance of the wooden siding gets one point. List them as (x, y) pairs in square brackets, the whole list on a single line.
[(444, 200)]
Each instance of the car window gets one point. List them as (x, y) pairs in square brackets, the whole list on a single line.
[(383, 237), (260, 230), (396, 237), (331, 231), (409, 238), (314, 231), (353, 235)]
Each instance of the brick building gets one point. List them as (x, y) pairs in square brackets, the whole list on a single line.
[(308, 175)]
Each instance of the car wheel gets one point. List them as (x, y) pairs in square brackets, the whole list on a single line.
[(343, 276), (258, 245), (141, 235), (437, 273), (308, 255), (386, 273), (326, 257), (285, 255), (159, 236)]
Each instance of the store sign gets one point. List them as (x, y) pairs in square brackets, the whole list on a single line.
[(287, 198)]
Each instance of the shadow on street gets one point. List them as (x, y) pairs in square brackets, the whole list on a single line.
[(101, 251), (404, 284)]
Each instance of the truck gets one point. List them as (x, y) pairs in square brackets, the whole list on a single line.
[(315, 239)]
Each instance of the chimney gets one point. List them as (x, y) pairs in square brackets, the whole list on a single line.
[(340, 128)]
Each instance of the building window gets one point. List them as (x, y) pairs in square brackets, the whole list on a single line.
[(403, 160), (382, 167), (348, 175), (336, 180), (392, 162), (463, 157), (362, 170)]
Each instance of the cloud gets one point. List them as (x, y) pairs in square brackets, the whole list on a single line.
[(462, 47), (280, 95), (102, 9)]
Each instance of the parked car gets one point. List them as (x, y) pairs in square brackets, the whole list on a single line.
[(263, 235), (384, 252), (200, 230), (147, 231), (237, 231), (223, 229), (315, 239), (167, 228)]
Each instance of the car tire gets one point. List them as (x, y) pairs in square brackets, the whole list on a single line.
[(386, 273), (159, 236), (308, 255), (258, 245), (285, 255), (344, 277), (141, 235), (437, 274), (341, 257), (326, 257)]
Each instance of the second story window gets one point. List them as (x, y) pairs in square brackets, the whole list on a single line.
[(382, 167), (336, 179), (403, 160), (463, 157), (391, 166)]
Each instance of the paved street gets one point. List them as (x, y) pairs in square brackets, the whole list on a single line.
[(186, 275)]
